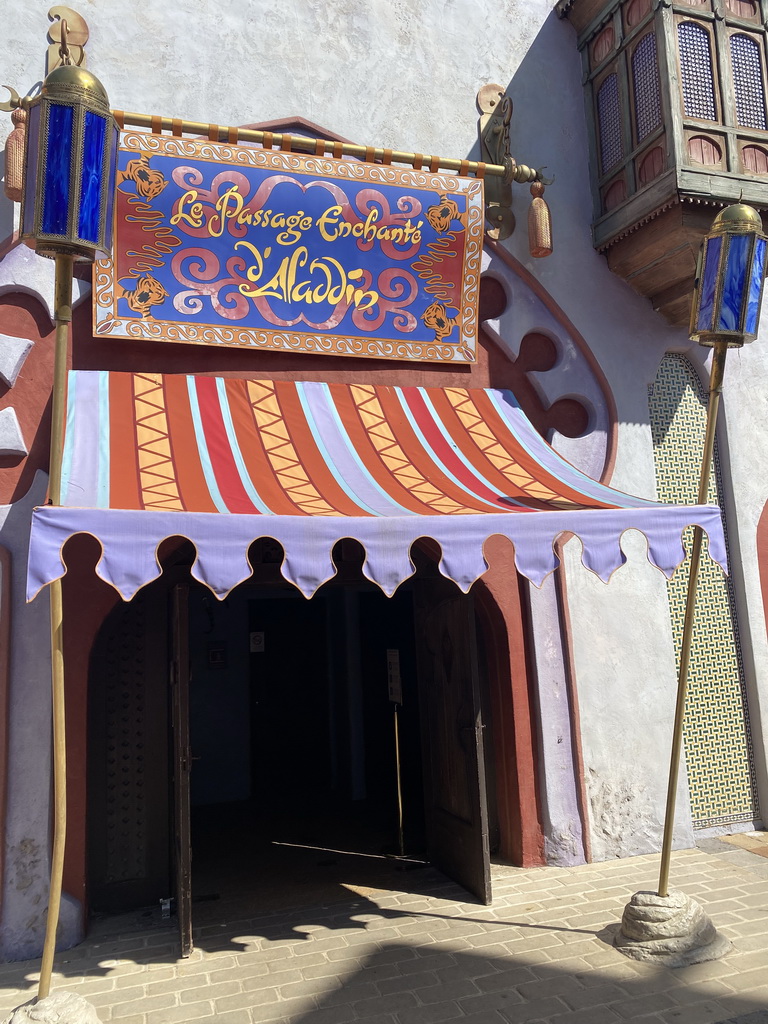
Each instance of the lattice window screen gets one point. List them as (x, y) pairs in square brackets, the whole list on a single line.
[(645, 75), (718, 741), (609, 123), (696, 69), (748, 82)]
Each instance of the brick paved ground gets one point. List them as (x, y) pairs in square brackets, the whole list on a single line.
[(541, 953)]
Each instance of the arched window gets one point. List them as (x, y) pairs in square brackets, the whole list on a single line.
[(748, 82), (696, 71), (645, 76), (609, 123)]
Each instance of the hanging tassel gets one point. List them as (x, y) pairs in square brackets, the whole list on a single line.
[(14, 156), (539, 223)]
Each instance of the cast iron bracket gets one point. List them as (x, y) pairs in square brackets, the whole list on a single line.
[(496, 114)]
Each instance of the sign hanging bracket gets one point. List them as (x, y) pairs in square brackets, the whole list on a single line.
[(496, 115)]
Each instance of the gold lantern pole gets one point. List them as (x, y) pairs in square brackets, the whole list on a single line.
[(68, 181), (725, 314), (667, 926), (62, 319), (720, 351)]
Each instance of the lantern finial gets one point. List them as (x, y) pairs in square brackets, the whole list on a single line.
[(68, 80), (737, 218)]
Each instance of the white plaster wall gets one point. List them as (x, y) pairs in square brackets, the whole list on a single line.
[(26, 867), (743, 442), (624, 662), (404, 74)]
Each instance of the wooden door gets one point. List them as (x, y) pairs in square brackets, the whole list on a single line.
[(454, 767), (181, 761), (128, 758)]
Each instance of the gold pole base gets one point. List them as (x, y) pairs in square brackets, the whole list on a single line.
[(670, 930)]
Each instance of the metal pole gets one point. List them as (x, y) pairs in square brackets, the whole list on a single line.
[(62, 317), (715, 389), (400, 835), (318, 147)]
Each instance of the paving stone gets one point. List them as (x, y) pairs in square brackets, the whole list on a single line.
[(714, 989), (696, 1013), (146, 1004), (244, 1000), (494, 1001), (345, 955), (332, 1015), (451, 990), (394, 1003), (705, 971), (572, 965), (187, 969), (484, 1017), (351, 993), (116, 996), (232, 1017), (430, 962), (539, 940), (381, 1018), (756, 927), (558, 985), (326, 969), (525, 1011), (749, 943), (504, 980), (139, 1018), (746, 980), (395, 954), (408, 983), (435, 1013), (309, 987), (531, 958), (651, 982), (372, 936), (594, 995), (748, 1014), (181, 1014), (653, 1002)]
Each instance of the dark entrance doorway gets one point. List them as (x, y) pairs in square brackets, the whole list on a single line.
[(291, 758)]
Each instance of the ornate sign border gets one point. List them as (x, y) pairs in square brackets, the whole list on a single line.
[(108, 323)]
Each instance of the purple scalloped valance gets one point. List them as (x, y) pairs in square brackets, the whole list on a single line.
[(130, 539)]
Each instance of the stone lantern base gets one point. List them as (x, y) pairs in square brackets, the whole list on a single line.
[(56, 1008), (672, 930)]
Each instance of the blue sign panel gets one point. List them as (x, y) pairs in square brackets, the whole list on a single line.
[(235, 246)]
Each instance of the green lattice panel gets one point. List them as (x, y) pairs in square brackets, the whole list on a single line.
[(718, 745)]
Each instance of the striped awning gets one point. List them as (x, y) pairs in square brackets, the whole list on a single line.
[(225, 461)]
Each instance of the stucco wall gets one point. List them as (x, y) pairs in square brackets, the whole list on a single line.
[(404, 74)]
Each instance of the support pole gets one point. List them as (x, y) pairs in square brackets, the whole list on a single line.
[(398, 769), (156, 124), (720, 350), (63, 318)]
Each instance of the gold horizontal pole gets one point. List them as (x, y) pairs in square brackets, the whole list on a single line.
[(320, 147)]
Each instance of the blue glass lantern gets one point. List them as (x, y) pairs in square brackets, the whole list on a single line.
[(70, 164), (729, 279)]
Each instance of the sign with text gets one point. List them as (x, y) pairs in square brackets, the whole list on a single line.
[(253, 248)]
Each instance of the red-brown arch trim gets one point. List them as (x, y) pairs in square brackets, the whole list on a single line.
[(515, 754)]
